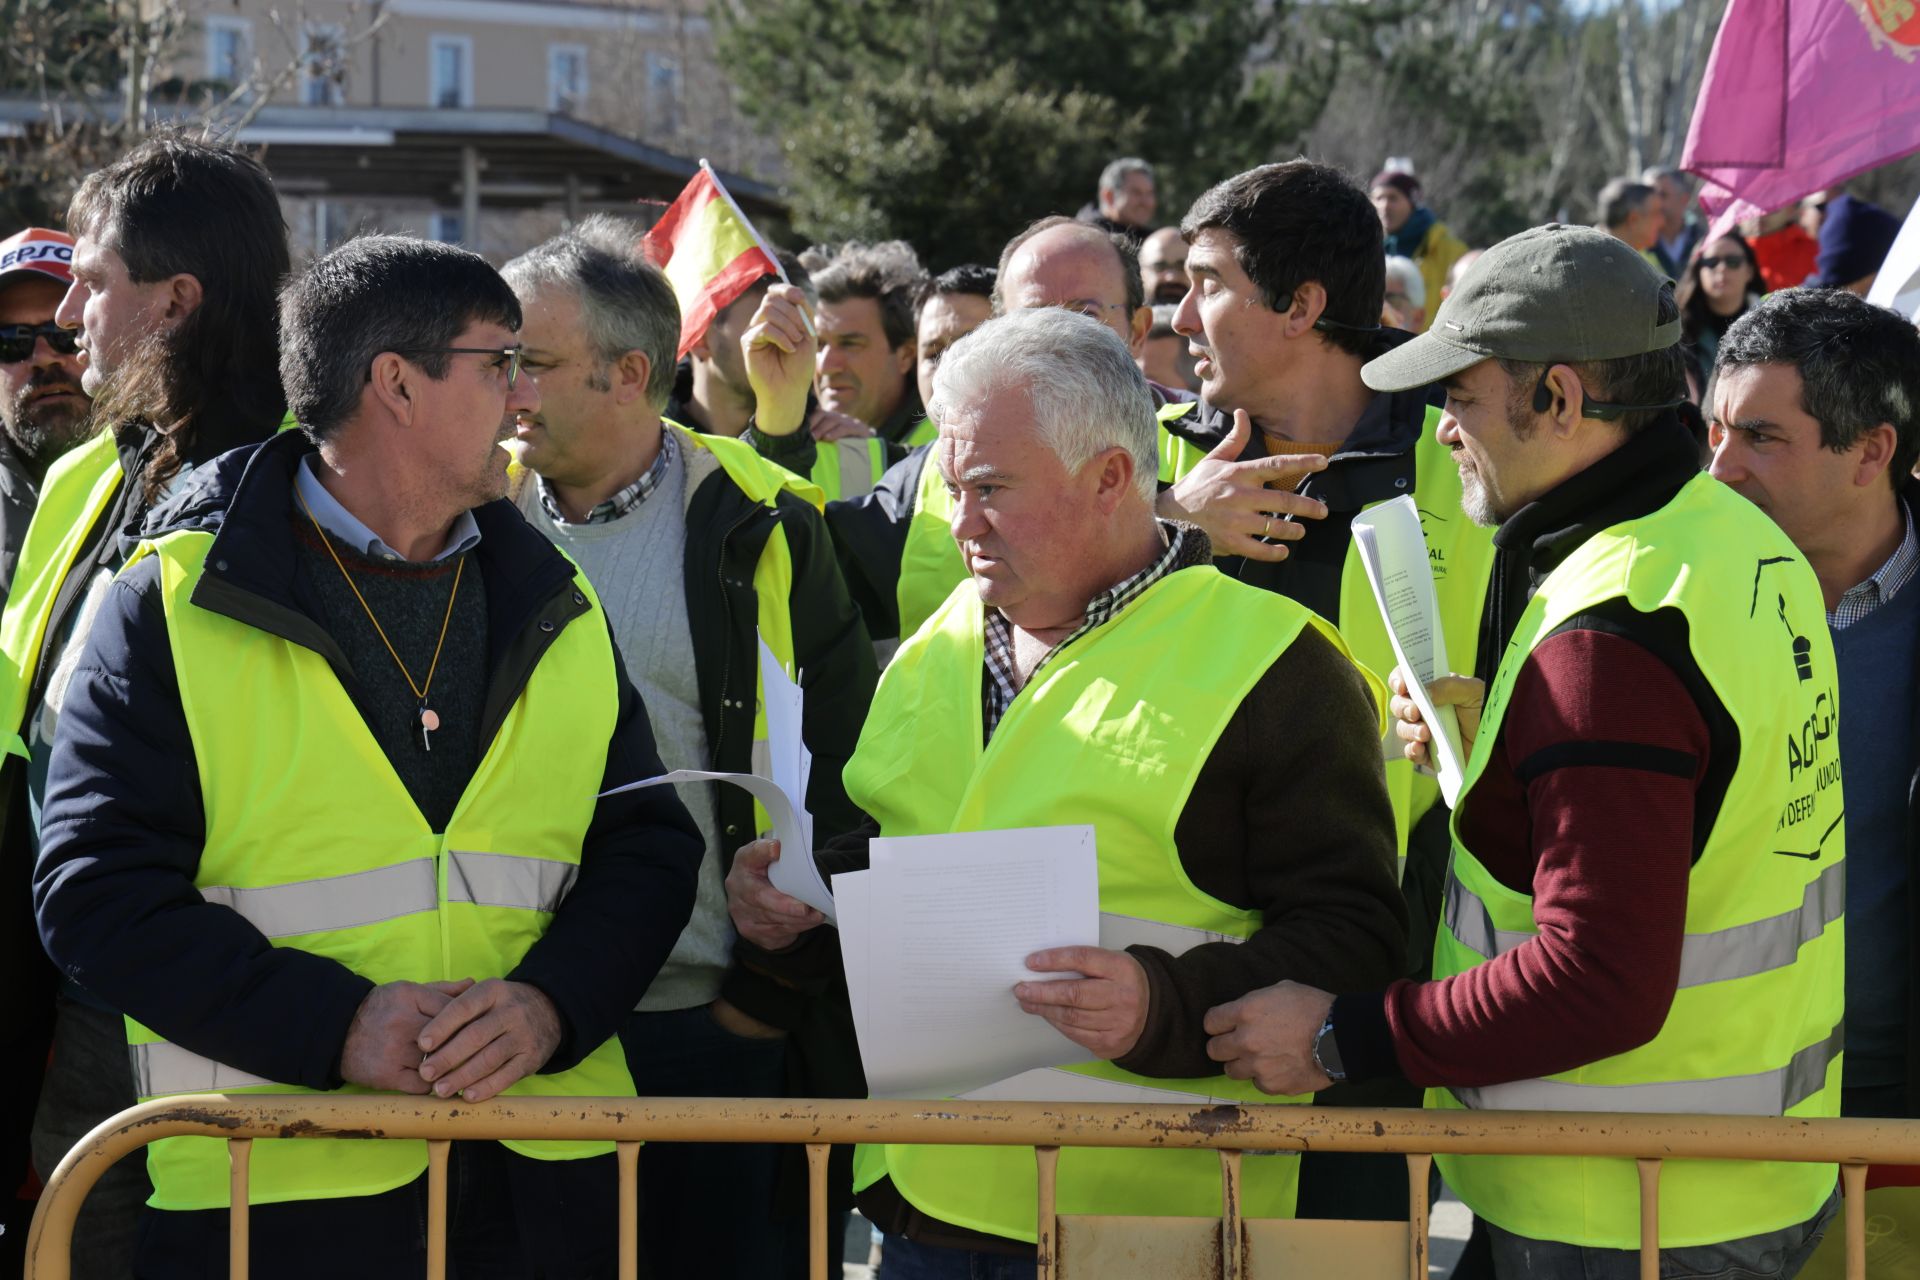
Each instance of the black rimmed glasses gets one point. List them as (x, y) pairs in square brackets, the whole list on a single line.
[(17, 340), (507, 358)]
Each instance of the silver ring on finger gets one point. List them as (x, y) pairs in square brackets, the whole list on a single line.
[(1266, 530)]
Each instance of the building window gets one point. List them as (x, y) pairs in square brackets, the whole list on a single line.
[(444, 227), (323, 65), (663, 91), (566, 77), (229, 50), (452, 70)]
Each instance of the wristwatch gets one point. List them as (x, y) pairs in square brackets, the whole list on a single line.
[(1326, 1054)]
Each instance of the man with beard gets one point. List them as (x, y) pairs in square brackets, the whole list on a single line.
[(179, 247), (43, 411), (1645, 899)]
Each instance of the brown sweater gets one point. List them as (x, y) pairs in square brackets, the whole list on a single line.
[(1289, 816)]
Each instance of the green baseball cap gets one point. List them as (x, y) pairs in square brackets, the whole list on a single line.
[(1550, 295)]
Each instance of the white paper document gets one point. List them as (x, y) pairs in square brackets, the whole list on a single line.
[(782, 791), (935, 934), (794, 875), (1393, 551)]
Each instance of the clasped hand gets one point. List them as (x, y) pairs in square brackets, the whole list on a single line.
[(446, 1038)]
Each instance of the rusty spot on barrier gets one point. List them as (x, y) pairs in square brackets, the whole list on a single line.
[(219, 1119), (308, 1129), (1219, 1119), (1379, 1130)]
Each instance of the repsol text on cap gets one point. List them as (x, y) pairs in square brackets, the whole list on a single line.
[(37, 251)]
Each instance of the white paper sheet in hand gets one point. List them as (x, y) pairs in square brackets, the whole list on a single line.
[(1393, 551), (794, 874), (934, 938)]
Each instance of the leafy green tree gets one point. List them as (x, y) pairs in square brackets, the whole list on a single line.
[(905, 156), (932, 119)]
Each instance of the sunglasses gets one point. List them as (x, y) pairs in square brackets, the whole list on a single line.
[(1734, 260), (17, 340)]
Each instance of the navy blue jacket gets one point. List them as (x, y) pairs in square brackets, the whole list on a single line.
[(123, 824)]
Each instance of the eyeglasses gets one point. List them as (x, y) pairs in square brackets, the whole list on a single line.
[(1734, 260), (510, 355), (16, 340)]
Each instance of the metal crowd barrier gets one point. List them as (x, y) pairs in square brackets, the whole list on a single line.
[(1071, 1247)]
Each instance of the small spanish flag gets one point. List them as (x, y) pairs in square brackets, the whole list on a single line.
[(708, 251)]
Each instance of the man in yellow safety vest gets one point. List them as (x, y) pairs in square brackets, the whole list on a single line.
[(324, 810), (1645, 901), (1238, 804)]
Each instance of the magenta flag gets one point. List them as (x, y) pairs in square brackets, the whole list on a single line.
[(1801, 95)]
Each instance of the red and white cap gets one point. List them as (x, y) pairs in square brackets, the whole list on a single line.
[(37, 251)]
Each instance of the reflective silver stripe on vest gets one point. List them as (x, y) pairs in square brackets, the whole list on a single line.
[(856, 465), (1118, 932), (1467, 920), (1052, 1084), (1765, 945), (1765, 1093), (161, 1068), (1742, 951), (503, 880), (336, 902)]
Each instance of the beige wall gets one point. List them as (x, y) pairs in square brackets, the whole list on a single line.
[(508, 62)]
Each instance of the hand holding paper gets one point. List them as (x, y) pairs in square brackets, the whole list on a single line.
[(764, 915), (1393, 551), (935, 937), (1102, 1007), (1462, 695), (783, 795)]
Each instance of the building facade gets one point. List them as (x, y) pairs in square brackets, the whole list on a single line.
[(488, 123)]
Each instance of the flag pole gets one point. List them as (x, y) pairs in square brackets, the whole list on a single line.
[(758, 239), (741, 214)]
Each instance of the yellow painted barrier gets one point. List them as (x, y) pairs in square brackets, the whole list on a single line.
[(1072, 1247)]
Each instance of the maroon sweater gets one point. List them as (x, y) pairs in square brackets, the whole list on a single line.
[(1606, 775)]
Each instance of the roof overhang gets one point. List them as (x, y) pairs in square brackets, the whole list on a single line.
[(526, 158)]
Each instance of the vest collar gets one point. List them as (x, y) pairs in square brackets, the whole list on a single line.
[(1638, 478)]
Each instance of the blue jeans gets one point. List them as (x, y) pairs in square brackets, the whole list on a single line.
[(509, 1217), (904, 1259), (706, 1209), (1776, 1255)]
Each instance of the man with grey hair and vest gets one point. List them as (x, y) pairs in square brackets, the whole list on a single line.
[(701, 550), (893, 542), (1644, 906), (327, 811), (1239, 804)]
